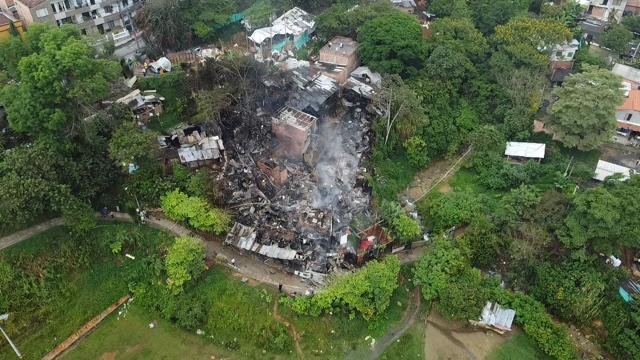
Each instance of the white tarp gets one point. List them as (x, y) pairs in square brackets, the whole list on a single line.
[(604, 169), (163, 63), (525, 150), (494, 315), (294, 22)]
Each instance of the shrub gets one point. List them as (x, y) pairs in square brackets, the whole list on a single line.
[(416, 150), (452, 209), (180, 207), (367, 292), (184, 262)]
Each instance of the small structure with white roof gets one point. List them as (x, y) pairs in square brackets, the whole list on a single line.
[(294, 26), (525, 150), (605, 169)]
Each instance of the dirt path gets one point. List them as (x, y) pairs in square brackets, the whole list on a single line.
[(408, 319), (247, 265), (427, 179), (289, 326)]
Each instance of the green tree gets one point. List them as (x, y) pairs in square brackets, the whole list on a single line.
[(436, 269), (489, 13), (260, 13), (450, 8), (344, 19), (58, 83), (132, 145), (184, 262), (79, 217), (617, 38), (403, 114), (452, 209), (529, 42), (465, 297), (632, 23), (181, 207), (366, 292), (416, 150), (392, 43), (584, 116), (459, 34), (163, 25), (573, 291), (12, 49)]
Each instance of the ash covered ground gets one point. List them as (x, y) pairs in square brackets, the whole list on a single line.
[(297, 209)]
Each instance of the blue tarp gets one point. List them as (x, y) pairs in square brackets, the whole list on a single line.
[(302, 40), (625, 295)]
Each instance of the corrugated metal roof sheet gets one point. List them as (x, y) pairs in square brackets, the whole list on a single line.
[(605, 168), (525, 149)]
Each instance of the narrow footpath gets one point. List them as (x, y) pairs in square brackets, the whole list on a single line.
[(409, 317), (245, 264)]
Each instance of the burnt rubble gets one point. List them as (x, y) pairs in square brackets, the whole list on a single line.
[(296, 180)]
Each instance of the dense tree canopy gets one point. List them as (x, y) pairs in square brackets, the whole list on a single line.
[(584, 116), (392, 43), (184, 262), (59, 81)]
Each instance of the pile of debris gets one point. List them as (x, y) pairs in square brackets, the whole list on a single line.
[(295, 175), (144, 106)]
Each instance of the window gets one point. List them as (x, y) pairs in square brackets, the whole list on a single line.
[(605, 2), (627, 117), (570, 55), (108, 9), (125, 2), (53, 7), (92, 2), (94, 14), (559, 54), (67, 5), (78, 4), (42, 12), (111, 24)]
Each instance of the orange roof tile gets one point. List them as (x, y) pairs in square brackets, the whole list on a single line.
[(632, 102)]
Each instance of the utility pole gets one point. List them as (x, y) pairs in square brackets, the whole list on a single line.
[(13, 346)]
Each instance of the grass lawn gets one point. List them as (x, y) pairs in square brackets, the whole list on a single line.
[(129, 337), (335, 337), (56, 303), (409, 347), (519, 347)]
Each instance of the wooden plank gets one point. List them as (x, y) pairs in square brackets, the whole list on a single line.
[(86, 328)]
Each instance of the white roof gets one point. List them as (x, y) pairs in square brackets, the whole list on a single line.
[(163, 62), (604, 169), (493, 314), (525, 149), (627, 72), (295, 22)]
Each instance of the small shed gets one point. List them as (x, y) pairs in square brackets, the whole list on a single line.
[(605, 169), (495, 316), (525, 150)]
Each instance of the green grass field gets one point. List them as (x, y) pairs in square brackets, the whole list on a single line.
[(409, 347), (128, 336), (64, 301), (519, 347)]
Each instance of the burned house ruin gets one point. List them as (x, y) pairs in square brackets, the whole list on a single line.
[(295, 175)]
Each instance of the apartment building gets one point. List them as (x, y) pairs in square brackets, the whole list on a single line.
[(91, 16), (607, 11)]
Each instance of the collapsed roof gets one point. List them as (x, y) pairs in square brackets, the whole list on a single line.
[(294, 22)]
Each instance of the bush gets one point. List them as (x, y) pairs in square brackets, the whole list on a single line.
[(553, 339), (417, 152), (180, 207), (366, 292), (184, 262), (452, 209)]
